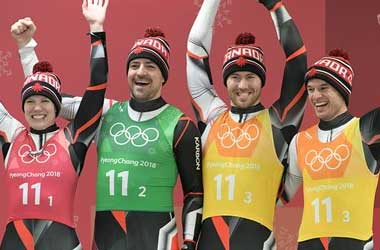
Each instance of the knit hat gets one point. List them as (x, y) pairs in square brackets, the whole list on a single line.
[(336, 70), (154, 47), (43, 82), (244, 56)]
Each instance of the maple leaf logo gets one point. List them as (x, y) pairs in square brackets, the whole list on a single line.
[(241, 61), (312, 72), (37, 87), (138, 50)]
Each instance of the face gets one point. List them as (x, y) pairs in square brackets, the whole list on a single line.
[(145, 79), (244, 89), (325, 99), (39, 112)]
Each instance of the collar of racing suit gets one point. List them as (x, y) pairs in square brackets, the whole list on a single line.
[(52, 128), (252, 109), (148, 105), (336, 122)]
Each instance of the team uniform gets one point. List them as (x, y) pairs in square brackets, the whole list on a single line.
[(142, 148), (42, 168), (150, 143), (244, 150), (338, 162)]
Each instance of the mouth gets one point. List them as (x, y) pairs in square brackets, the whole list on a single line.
[(243, 93), (142, 82), (320, 104), (38, 116)]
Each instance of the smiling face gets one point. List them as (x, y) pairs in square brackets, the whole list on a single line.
[(145, 79), (325, 99), (244, 89), (39, 112)]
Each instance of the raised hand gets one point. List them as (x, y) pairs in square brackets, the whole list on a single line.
[(95, 13), (269, 4), (23, 30)]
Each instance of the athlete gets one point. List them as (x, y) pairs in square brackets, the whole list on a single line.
[(244, 148), (42, 161), (337, 161), (143, 144)]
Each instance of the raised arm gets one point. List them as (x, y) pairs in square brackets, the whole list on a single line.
[(187, 149), (288, 110), (206, 103), (87, 119), (23, 31)]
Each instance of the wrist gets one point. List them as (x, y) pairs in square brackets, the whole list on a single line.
[(96, 27)]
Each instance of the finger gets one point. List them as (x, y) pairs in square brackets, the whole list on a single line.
[(96, 2), (84, 4), (105, 4), (100, 3)]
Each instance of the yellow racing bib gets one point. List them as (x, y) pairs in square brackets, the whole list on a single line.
[(241, 171), (339, 189)]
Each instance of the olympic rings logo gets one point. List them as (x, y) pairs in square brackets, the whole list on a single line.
[(327, 157), (238, 137), (40, 156), (133, 134)]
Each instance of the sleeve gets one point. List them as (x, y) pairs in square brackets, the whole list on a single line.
[(70, 106), (28, 57), (9, 128), (187, 150), (293, 175), (288, 110), (205, 101), (370, 131), (87, 119)]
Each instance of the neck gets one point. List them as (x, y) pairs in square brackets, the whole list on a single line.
[(336, 122), (251, 109), (147, 105), (49, 129)]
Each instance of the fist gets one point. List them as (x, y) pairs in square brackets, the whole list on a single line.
[(23, 30)]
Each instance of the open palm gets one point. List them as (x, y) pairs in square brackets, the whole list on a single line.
[(95, 11)]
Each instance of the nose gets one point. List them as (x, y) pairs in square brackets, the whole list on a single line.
[(315, 95), (243, 84), (141, 70)]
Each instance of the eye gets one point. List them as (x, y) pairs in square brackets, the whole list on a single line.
[(134, 66), (151, 66)]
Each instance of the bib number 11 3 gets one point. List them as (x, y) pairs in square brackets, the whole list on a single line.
[(229, 180)]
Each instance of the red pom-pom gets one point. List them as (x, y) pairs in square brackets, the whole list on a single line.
[(153, 32), (43, 66), (339, 53), (245, 38)]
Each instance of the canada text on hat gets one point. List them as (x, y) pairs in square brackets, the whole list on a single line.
[(45, 77), (338, 66), (154, 43), (246, 51)]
